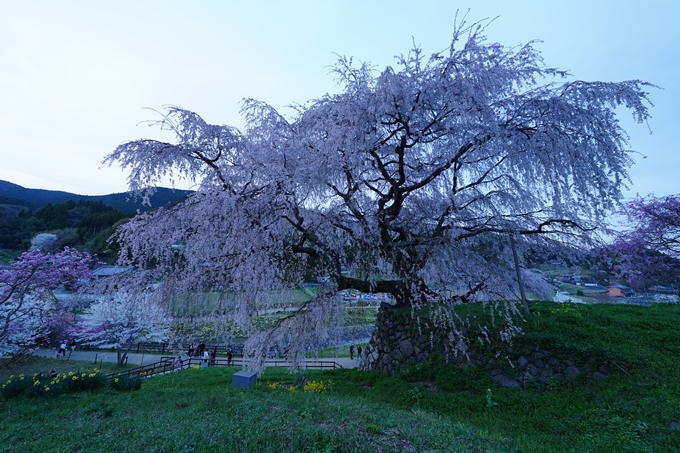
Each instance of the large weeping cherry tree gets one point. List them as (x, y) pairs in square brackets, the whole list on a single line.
[(411, 182)]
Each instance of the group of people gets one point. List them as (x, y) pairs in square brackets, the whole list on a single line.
[(208, 359), (197, 350), (65, 344), (351, 351)]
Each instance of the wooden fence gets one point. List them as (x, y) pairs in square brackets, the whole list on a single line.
[(167, 364)]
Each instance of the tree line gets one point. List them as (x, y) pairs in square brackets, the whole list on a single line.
[(84, 225)]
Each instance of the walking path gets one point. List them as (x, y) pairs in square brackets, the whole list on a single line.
[(147, 359)]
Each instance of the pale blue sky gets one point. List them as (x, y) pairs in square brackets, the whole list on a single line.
[(76, 75)]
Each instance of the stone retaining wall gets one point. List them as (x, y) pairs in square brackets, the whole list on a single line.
[(399, 340)]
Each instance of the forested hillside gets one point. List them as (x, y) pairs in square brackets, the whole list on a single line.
[(82, 221), (34, 199), (85, 225)]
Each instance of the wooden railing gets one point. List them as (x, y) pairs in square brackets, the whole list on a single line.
[(167, 363), (163, 366), (164, 348)]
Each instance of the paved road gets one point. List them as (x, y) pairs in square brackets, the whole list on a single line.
[(562, 296), (145, 359)]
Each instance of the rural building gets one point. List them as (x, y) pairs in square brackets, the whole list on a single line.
[(619, 291)]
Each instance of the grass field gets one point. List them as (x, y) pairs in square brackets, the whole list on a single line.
[(430, 407)]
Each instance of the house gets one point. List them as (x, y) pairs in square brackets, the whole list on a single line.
[(658, 289), (619, 291)]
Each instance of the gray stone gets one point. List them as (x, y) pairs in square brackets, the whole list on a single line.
[(506, 381), (598, 375), (406, 348), (495, 372), (243, 379), (675, 424), (538, 363), (572, 372), (546, 373), (532, 369), (558, 376), (539, 355), (522, 362)]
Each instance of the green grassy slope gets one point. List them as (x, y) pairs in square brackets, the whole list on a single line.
[(430, 407)]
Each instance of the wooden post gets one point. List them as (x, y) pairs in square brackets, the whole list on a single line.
[(519, 274)]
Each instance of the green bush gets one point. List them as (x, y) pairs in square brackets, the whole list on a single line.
[(82, 380), (16, 386), (43, 385), (126, 383)]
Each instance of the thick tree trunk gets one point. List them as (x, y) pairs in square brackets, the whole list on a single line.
[(400, 340)]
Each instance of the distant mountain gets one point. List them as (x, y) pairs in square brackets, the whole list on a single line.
[(17, 196)]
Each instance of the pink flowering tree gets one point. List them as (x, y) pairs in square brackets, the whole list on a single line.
[(123, 320), (27, 302), (408, 182), (649, 252)]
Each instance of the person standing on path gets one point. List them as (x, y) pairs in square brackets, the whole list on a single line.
[(359, 352), (351, 352), (62, 349)]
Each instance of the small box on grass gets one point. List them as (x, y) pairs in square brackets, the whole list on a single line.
[(243, 379)]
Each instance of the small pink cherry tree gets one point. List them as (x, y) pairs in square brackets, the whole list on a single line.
[(27, 301)]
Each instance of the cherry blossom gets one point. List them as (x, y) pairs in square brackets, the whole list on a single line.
[(410, 182), (27, 302)]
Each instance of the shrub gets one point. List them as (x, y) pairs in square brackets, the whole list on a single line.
[(47, 385), (82, 380), (15, 386), (126, 383)]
